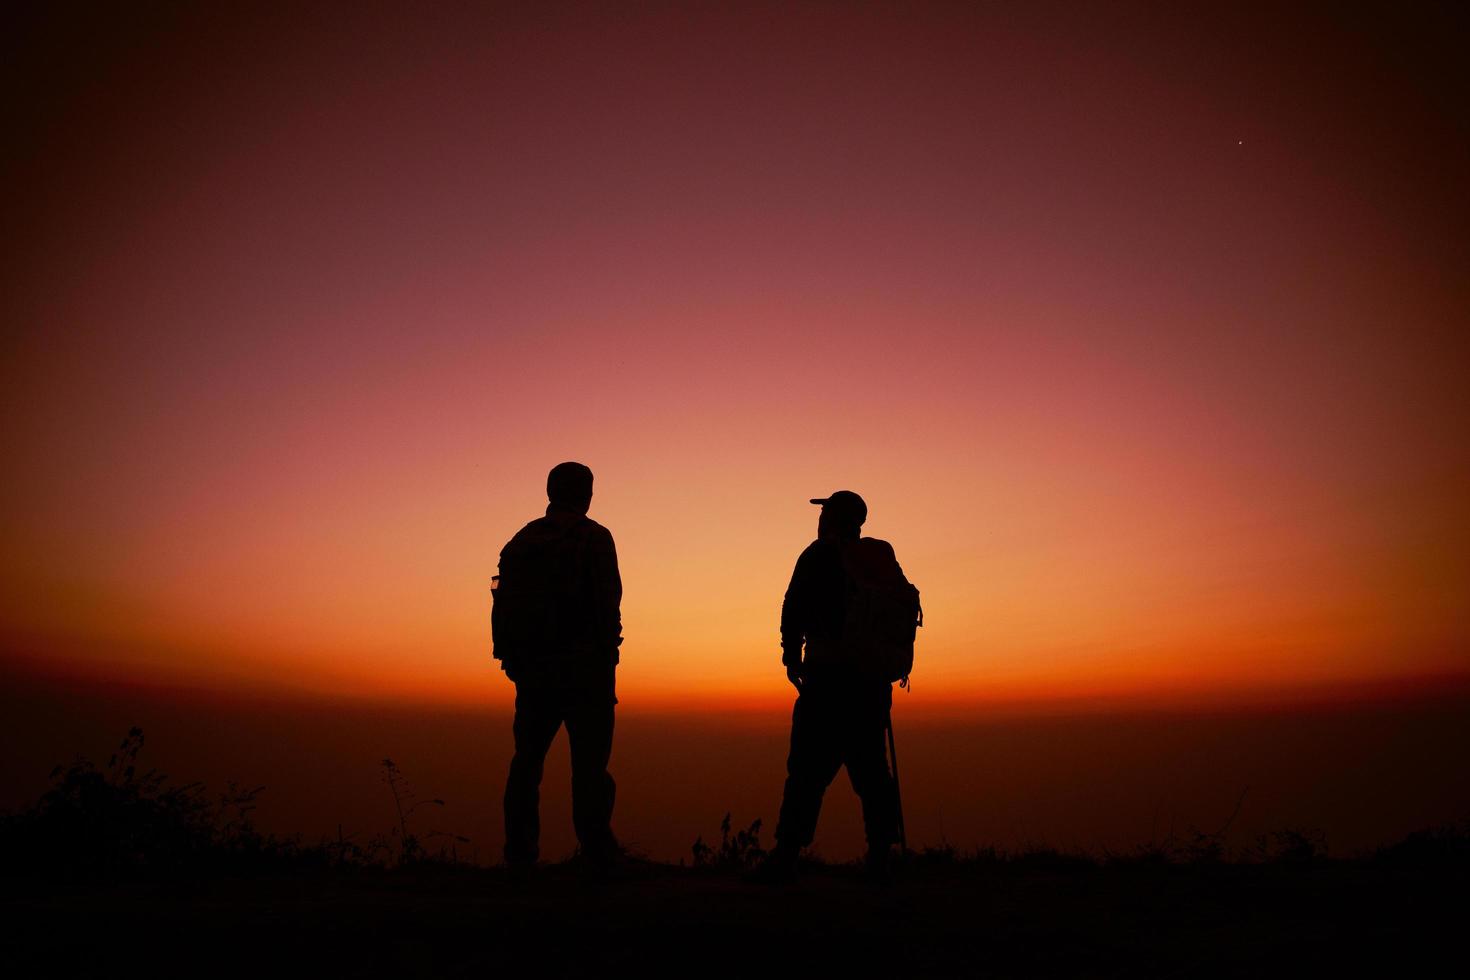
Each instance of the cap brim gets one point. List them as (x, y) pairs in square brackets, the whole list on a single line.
[(820, 500)]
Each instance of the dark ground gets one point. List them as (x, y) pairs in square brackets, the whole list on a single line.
[(1042, 915), (1366, 773), (117, 870)]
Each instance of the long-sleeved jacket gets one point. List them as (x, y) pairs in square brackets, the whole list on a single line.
[(833, 580), (559, 600), (815, 600)]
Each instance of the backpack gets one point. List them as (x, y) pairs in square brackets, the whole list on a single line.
[(881, 614), (540, 598)]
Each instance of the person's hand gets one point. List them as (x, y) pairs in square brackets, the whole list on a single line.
[(793, 674)]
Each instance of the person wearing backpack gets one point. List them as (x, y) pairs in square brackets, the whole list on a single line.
[(847, 633), (556, 627)]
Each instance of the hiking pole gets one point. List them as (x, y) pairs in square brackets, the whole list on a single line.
[(903, 844)]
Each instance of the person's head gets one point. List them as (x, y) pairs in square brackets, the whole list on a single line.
[(569, 487), (842, 517)]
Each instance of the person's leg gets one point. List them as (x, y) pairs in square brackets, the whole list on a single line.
[(590, 733), (812, 763), (865, 752), (867, 767), (536, 722)]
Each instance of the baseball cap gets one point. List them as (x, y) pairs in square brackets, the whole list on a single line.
[(846, 503)]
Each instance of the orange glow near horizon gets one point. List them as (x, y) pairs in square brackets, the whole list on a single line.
[(1143, 410)]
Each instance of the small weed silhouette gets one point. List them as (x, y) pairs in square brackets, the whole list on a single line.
[(739, 851), (1447, 846), (410, 846), (1194, 847), (1292, 846)]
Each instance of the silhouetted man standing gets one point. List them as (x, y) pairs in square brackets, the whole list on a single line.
[(557, 628), (843, 675)]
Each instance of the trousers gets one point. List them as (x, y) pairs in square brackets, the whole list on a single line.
[(834, 726), (587, 714)]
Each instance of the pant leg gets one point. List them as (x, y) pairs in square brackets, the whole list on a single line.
[(811, 765), (537, 719), (590, 732), (865, 754)]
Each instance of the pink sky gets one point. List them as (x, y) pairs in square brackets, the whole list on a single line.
[(1143, 336)]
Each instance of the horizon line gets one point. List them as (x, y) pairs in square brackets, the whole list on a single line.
[(750, 703)]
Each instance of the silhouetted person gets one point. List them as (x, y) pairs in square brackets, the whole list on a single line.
[(847, 599), (557, 629)]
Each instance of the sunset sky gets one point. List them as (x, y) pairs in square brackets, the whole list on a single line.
[(1142, 332)]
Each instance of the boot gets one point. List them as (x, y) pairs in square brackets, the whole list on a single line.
[(779, 867), (878, 865)]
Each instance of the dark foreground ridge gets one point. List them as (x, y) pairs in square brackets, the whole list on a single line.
[(115, 871), (1001, 918)]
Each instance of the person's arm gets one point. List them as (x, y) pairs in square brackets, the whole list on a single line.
[(502, 645), (497, 632), (794, 611), (609, 592)]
